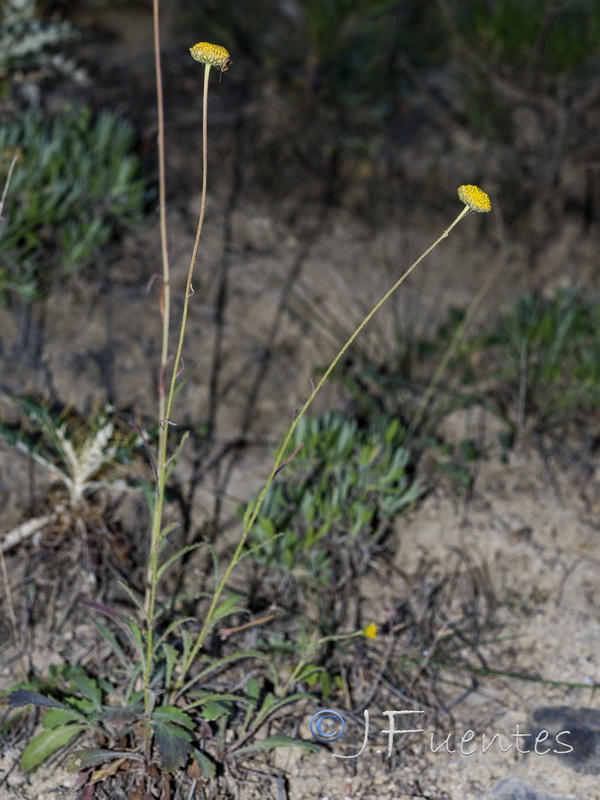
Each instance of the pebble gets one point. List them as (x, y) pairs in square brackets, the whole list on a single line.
[(583, 726), (515, 788)]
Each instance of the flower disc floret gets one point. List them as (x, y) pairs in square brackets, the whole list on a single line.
[(371, 631), (212, 54), (475, 198)]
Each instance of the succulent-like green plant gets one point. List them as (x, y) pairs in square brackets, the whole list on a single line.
[(339, 493), (75, 186)]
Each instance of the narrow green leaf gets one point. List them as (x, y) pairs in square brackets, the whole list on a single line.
[(133, 681), (227, 607), (57, 717), (309, 673), (215, 665), (137, 602), (44, 744), (133, 634), (111, 640), (172, 462), (188, 643), (164, 567), (278, 741), (272, 704), (170, 628), (253, 690), (215, 560), (165, 532), (171, 655)]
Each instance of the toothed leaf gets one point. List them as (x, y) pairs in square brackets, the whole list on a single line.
[(174, 745)]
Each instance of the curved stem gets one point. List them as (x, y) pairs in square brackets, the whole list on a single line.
[(254, 510)]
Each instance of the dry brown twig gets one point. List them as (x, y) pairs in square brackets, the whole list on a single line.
[(27, 529)]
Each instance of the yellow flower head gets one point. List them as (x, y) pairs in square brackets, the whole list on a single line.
[(473, 197), (212, 54), (370, 631)]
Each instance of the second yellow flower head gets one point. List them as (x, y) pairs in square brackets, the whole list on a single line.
[(371, 631), (212, 54), (475, 198)]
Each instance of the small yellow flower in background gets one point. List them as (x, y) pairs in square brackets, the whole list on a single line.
[(476, 199), (371, 631), (212, 54)]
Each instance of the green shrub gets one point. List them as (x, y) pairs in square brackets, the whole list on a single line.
[(333, 503), (76, 184)]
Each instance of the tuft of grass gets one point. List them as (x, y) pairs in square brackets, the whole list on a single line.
[(542, 362), (535, 365)]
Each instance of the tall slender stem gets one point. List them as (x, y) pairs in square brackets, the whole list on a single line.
[(188, 286), (162, 200), (153, 560), (254, 510), (165, 309)]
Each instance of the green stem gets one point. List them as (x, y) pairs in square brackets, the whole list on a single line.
[(162, 200), (188, 285), (254, 510), (166, 306), (156, 537)]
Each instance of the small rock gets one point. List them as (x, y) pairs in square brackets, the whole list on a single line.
[(579, 729), (515, 788)]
